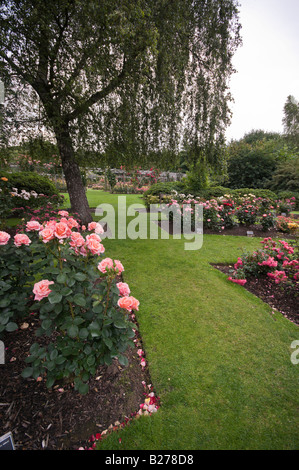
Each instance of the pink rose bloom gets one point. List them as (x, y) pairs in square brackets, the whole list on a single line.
[(62, 230), (238, 281), (63, 213), (107, 263), (134, 303), (92, 226), (118, 266), (51, 224), (128, 303), (47, 234), (21, 239), (125, 303), (94, 245), (76, 240), (33, 225), (72, 223), (41, 289), (123, 288), (4, 237), (99, 229)]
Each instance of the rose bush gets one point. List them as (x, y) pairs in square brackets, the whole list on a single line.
[(276, 259), (82, 311)]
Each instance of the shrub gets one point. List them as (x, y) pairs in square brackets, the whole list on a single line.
[(30, 181), (286, 224), (277, 260), (83, 312), (165, 188)]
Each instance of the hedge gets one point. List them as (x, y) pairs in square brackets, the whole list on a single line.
[(30, 181)]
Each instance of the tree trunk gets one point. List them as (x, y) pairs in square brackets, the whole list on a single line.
[(72, 175)]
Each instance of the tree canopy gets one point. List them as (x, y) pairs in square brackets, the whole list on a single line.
[(123, 76)]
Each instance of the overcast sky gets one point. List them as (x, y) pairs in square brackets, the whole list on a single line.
[(267, 65)]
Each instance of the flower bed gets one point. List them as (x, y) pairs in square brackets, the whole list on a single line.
[(58, 263), (231, 215), (272, 273)]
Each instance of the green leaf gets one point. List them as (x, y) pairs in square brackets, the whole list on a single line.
[(80, 276), (73, 331), (83, 388), (108, 342), (61, 278), (119, 323), (46, 324), (4, 303), (11, 326), (123, 360), (27, 372), (83, 333), (79, 299), (66, 291), (54, 297)]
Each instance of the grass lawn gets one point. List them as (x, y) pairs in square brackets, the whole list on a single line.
[(218, 358)]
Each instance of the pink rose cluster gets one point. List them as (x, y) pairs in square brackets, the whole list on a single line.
[(278, 259), (19, 239)]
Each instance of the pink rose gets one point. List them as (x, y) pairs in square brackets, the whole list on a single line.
[(72, 223), (92, 226), (76, 240), (62, 230), (107, 263), (33, 225), (99, 229), (94, 245), (21, 239), (41, 289), (123, 288), (4, 237), (128, 303), (63, 213), (118, 266), (238, 281), (125, 303), (47, 234)]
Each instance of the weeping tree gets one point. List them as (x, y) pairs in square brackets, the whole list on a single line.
[(123, 76)]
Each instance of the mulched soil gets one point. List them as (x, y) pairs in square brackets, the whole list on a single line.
[(60, 418), (285, 300)]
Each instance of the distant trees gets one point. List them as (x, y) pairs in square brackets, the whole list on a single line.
[(262, 160)]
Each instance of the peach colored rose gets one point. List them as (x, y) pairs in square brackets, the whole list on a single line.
[(128, 303), (107, 263), (123, 288), (94, 245), (62, 230), (33, 225), (41, 289), (4, 237), (76, 240), (21, 239), (118, 266), (47, 234), (92, 226), (72, 223), (51, 224), (134, 303), (99, 229), (125, 303)]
